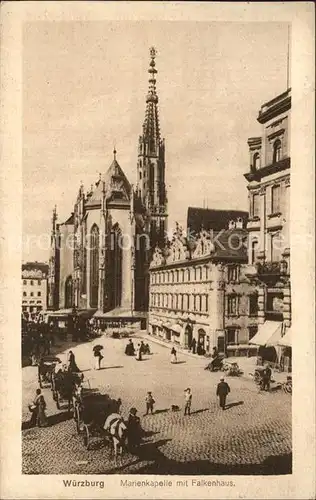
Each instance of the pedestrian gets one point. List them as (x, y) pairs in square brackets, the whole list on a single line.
[(97, 357), (41, 417), (72, 365), (139, 353), (266, 378), (149, 403), (193, 345), (142, 347), (133, 430), (173, 355), (37, 409), (33, 408), (188, 401), (222, 390)]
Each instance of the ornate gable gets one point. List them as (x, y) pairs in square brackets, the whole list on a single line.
[(158, 258), (204, 245), (178, 248)]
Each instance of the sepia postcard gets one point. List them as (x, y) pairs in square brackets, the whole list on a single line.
[(157, 188)]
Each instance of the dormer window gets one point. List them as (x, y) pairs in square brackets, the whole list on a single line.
[(277, 146)]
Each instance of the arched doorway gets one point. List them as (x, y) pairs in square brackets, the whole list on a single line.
[(68, 292), (94, 265), (188, 336), (115, 268)]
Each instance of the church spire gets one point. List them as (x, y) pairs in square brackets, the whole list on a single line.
[(151, 163), (151, 130)]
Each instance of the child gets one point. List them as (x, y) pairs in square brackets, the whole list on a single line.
[(149, 403), (188, 401)]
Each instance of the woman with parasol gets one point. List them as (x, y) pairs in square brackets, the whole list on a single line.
[(98, 356)]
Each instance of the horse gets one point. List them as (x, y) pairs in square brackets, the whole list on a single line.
[(116, 427)]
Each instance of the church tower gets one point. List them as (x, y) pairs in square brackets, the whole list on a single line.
[(151, 186)]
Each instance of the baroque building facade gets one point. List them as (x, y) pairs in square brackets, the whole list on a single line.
[(100, 256), (198, 288), (34, 288), (269, 222)]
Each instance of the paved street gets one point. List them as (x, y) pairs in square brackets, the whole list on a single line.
[(252, 436)]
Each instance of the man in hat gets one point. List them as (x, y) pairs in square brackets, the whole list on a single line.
[(188, 401), (266, 378), (133, 430), (222, 390)]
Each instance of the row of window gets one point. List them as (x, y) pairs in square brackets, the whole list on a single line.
[(31, 302), (232, 305), (31, 282), (180, 301), (180, 275), (32, 308), (276, 202), (276, 155), (39, 294)]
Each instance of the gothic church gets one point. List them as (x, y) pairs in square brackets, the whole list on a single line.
[(114, 230)]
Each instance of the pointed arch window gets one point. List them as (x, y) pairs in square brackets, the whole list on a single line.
[(115, 268), (94, 265)]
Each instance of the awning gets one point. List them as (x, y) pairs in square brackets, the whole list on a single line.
[(167, 325), (286, 340), (176, 328), (268, 334)]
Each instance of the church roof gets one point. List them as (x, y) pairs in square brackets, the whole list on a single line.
[(212, 219), (114, 182)]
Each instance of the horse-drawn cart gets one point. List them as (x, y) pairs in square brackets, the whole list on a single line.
[(65, 385), (92, 415), (46, 367)]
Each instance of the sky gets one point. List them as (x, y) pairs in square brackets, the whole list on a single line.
[(84, 90)]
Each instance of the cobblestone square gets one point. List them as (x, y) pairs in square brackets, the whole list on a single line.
[(252, 436)]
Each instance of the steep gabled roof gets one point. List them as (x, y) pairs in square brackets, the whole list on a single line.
[(212, 219), (115, 181)]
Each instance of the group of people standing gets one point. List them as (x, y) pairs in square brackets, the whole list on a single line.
[(196, 347), (139, 351)]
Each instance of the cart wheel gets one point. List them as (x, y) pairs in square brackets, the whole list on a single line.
[(86, 436)]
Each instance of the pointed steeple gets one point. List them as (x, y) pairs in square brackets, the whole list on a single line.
[(151, 130), (151, 187)]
